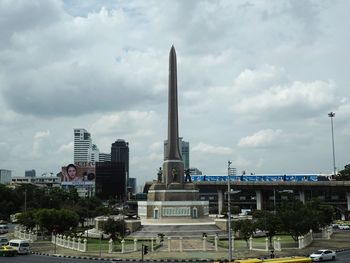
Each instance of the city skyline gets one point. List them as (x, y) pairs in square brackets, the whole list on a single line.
[(256, 82)]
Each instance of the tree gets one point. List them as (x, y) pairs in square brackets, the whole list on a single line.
[(267, 221), (49, 218), (344, 175), (323, 213), (296, 219), (27, 219), (115, 228), (245, 229)]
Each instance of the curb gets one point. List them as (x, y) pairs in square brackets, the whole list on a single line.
[(118, 259)]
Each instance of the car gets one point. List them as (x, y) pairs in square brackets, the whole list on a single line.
[(344, 227), (7, 251), (3, 241), (4, 229), (323, 254)]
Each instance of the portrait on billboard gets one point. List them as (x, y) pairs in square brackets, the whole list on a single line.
[(78, 174)]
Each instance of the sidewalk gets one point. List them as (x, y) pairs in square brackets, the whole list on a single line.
[(340, 240)]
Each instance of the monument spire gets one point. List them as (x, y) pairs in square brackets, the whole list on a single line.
[(173, 151), (173, 164)]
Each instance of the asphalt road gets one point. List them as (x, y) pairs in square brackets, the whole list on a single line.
[(341, 257)]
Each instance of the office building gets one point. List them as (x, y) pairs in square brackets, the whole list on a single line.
[(120, 153), (195, 171), (111, 180), (29, 173), (93, 154), (5, 176), (82, 144), (132, 185), (185, 152), (104, 157)]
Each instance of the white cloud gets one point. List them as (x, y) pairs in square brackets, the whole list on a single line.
[(42, 134), (295, 100), (261, 138), (204, 148), (66, 148)]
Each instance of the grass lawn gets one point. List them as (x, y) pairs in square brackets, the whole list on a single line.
[(261, 240), (94, 244)]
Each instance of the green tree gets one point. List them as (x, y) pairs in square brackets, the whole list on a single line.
[(323, 213), (245, 229), (296, 218), (115, 228), (27, 219), (267, 221), (344, 175), (48, 218)]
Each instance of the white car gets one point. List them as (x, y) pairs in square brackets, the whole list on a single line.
[(323, 254)]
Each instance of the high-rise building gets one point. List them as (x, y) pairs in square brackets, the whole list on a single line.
[(5, 176), (195, 171), (110, 180), (93, 154), (132, 185), (82, 144), (185, 152), (29, 173), (120, 153), (104, 157)]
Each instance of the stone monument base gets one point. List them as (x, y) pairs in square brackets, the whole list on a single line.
[(177, 201)]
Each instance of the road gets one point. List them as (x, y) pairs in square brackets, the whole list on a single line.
[(341, 257)]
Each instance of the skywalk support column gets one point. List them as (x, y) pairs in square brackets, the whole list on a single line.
[(302, 196), (173, 166), (220, 201), (258, 199)]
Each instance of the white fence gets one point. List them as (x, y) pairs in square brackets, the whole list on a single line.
[(21, 233), (303, 241), (69, 242)]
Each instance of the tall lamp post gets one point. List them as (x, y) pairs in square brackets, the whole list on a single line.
[(230, 171), (332, 115)]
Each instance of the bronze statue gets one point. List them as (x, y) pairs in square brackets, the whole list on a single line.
[(159, 175)]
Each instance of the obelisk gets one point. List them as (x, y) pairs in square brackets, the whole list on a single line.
[(173, 166)]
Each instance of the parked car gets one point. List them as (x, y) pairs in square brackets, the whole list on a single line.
[(4, 229), (7, 251), (323, 254), (344, 227), (22, 246), (3, 241)]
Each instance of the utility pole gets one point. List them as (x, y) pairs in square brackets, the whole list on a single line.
[(25, 200), (332, 115), (230, 171)]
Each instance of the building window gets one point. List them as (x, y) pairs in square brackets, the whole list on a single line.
[(194, 212)]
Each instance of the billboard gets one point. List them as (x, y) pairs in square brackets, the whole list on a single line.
[(78, 174)]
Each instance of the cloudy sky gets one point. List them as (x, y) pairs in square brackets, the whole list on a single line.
[(256, 80)]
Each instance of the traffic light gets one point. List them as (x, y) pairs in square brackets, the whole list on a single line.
[(145, 250)]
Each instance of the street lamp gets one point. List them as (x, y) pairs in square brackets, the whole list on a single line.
[(332, 115), (230, 171)]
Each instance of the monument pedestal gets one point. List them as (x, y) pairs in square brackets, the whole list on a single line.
[(175, 201)]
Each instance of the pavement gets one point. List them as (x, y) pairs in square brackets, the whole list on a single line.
[(178, 230), (339, 241)]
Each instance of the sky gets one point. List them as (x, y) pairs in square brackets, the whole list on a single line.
[(256, 81)]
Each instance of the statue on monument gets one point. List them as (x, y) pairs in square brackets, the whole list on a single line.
[(174, 173), (159, 175), (188, 176)]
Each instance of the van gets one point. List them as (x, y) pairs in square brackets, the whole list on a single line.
[(4, 229), (22, 246), (3, 241)]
